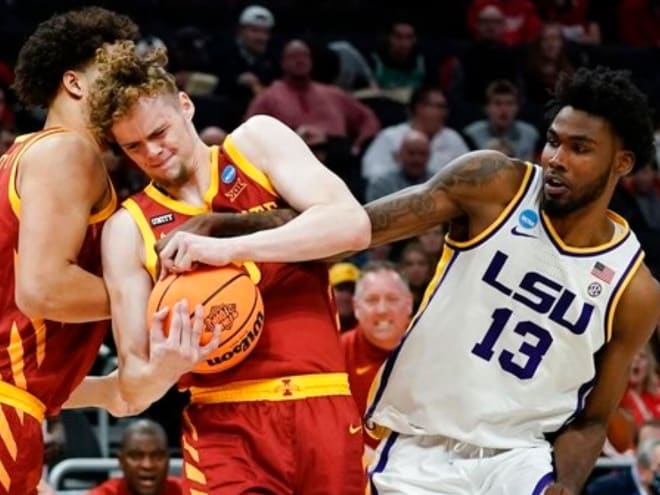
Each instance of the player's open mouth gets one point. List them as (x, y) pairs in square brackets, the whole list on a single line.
[(554, 185)]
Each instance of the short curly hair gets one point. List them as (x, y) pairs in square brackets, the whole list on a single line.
[(611, 95), (124, 77), (65, 42)]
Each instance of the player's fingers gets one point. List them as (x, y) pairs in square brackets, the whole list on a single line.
[(197, 326), (157, 331), (212, 344), (180, 308)]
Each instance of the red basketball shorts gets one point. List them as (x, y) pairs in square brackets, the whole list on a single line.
[(307, 446)]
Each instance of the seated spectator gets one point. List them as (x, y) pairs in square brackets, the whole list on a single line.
[(190, 61), (574, 19), (432, 242), (547, 58), (298, 101), (249, 62), (398, 63), (521, 19), (487, 59), (639, 22), (642, 397), (353, 71), (428, 114), (417, 269), (643, 480), (383, 306), (144, 461), (343, 277), (413, 158), (502, 105)]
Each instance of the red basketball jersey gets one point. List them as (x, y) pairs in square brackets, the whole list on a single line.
[(46, 358), (300, 334)]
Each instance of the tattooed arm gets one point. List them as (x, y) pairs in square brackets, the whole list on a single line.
[(476, 186), (231, 224)]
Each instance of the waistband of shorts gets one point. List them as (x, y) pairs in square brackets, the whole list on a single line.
[(463, 450), (274, 389), (22, 400)]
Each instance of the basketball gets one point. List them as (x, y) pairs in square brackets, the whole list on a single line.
[(229, 298), (621, 430)]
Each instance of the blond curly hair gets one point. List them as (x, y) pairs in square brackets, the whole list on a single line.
[(123, 78)]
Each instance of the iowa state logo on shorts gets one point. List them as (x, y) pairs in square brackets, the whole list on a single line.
[(223, 315)]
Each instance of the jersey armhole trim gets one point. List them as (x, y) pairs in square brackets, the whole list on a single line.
[(148, 237)]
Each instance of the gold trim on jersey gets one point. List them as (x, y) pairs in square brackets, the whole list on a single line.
[(274, 389), (447, 254), (14, 198), (186, 209), (40, 330), (108, 209), (22, 400), (7, 436), (618, 237), (246, 166), (192, 451), (619, 292), (16, 356), (148, 237), (501, 218), (5, 480), (194, 473)]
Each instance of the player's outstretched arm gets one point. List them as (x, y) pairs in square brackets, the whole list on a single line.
[(579, 445), (102, 392), (151, 360), (475, 185), (59, 180), (230, 224), (330, 221)]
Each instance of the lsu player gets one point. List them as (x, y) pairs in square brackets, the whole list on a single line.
[(508, 375), (283, 420)]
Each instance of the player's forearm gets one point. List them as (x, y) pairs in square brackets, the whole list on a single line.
[(235, 224), (141, 383), (319, 232), (576, 451), (70, 295), (93, 391)]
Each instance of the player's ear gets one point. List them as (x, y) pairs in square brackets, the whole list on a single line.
[(71, 80), (625, 161), (187, 105)]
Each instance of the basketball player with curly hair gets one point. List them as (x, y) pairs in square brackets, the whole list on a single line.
[(55, 195), (283, 420)]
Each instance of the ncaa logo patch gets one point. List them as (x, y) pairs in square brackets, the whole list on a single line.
[(528, 219), (228, 174)]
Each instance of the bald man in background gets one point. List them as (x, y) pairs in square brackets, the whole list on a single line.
[(413, 159)]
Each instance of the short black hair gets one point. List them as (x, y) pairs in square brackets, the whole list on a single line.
[(420, 95), (501, 87), (65, 42), (611, 95)]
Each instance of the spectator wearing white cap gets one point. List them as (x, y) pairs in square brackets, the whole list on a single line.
[(248, 65)]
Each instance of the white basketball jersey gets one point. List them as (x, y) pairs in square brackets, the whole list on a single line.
[(502, 350)]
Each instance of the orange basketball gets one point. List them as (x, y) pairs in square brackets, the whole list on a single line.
[(621, 430), (230, 299)]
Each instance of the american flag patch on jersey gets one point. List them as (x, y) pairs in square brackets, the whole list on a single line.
[(603, 272)]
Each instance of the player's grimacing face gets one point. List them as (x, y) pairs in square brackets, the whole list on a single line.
[(157, 136), (577, 160)]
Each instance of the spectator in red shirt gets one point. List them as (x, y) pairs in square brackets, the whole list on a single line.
[(383, 304), (521, 19), (144, 461), (642, 397), (312, 108)]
